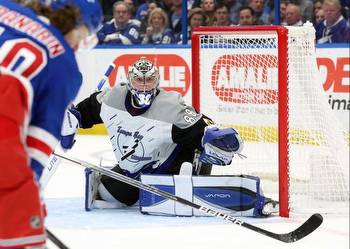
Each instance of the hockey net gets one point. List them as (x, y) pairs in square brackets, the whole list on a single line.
[(263, 82)]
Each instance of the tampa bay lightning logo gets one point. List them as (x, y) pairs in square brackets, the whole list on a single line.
[(130, 145)]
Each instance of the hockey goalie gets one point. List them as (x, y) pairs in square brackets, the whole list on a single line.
[(158, 139)]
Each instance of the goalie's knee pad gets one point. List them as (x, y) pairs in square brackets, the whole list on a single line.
[(233, 195)]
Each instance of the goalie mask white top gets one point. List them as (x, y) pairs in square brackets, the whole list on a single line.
[(143, 82)]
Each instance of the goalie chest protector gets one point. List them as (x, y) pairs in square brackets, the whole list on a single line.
[(142, 143)]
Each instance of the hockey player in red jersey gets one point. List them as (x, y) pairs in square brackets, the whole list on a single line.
[(39, 77)]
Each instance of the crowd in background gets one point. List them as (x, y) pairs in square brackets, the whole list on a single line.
[(160, 22)]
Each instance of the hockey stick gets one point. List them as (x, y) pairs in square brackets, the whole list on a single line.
[(54, 161), (305, 229), (56, 240)]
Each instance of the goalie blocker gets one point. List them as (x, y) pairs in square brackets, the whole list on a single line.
[(233, 195)]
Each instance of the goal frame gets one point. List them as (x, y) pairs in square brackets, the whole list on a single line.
[(283, 140)]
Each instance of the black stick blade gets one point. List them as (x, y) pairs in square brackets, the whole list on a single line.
[(305, 229)]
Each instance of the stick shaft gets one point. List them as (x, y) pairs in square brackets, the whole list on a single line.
[(308, 227), (55, 240)]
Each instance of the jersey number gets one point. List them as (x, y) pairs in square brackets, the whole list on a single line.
[(23, 57), (133, 32), (190, 116)]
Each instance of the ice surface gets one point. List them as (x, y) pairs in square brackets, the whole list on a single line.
[(128, 228)]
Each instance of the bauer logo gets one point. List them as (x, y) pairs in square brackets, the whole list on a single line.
[(248, 78), (173, 70)]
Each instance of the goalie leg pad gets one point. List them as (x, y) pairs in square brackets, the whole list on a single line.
[(233, 195)]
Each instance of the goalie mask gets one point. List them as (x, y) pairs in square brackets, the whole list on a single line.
[(143, 83)]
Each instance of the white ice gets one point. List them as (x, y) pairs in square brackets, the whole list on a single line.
[(128, 228)]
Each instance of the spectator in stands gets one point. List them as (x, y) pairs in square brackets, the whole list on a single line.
[(166, 5), (283, 12), (144, 23), (258, 6), (317, 6), (119, 30), (209, 6), (195, 17), (234, 6), (246, 16), (265, 17), (175, 18), (319, 17), (335, 28), (143, 10), (222, 17), (283, 8), (306, 9), (157, 31), (131, 6), (293, 15)]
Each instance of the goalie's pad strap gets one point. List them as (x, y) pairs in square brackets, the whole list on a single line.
[(234, 195)]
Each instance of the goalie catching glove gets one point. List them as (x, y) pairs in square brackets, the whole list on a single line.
[(71, 122), (220, 145)]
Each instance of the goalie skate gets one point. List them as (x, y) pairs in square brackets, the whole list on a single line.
[(270, 207)]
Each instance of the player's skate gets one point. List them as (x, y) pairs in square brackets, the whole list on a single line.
[(270, 207)]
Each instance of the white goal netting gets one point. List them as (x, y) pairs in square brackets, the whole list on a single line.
[(239, 76)]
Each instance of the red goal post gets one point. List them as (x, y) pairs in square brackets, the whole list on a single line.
[(258, 79)]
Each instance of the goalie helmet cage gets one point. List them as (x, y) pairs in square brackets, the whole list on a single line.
[(262, 80)]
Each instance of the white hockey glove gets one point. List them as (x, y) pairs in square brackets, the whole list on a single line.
[(111, 37), (220, 145), (71, 121)]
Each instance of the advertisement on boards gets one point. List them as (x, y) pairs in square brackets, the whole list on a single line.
[(174, 68), (175, 72), (334, 72)]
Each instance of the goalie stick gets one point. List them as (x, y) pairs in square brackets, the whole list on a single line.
[(305, 229), (54, 161)]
